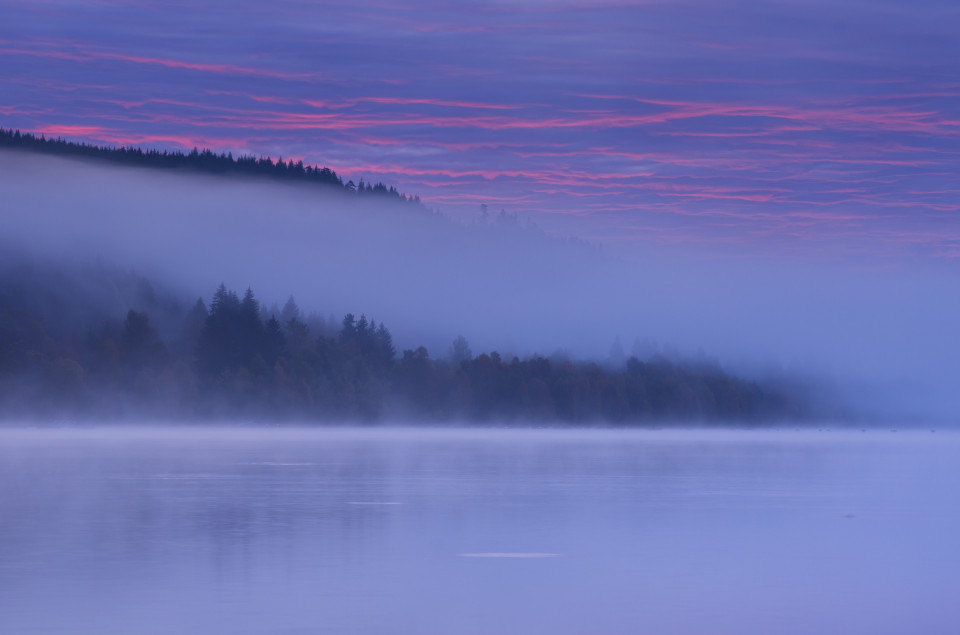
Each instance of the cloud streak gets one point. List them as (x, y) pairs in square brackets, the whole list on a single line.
[(595, 120)]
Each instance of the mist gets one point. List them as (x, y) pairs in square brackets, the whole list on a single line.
[(886, 338)]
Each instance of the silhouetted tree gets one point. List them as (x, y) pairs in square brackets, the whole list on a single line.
[(290, 311), (274, 341), (460, 350), (139, 344)]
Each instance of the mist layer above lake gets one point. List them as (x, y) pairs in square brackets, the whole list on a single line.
[(477, 531)]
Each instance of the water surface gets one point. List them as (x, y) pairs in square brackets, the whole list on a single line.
[(292, 531)]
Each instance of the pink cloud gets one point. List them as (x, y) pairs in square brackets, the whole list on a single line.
[(85, 53)]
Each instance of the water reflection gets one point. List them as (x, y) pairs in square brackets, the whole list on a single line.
[(405, 531)]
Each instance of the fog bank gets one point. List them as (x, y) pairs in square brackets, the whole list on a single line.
[(889, 339)]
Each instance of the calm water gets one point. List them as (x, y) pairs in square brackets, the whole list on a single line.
[(407, 532)]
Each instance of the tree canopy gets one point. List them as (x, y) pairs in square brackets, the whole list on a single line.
[(197, 160), (237, 360)]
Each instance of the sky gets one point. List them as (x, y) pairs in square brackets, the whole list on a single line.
[(819, 131)]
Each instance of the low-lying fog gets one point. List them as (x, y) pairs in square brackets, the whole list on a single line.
[(889, 339)]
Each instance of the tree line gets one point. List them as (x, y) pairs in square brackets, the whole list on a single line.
[(205, 161), (233, 359)]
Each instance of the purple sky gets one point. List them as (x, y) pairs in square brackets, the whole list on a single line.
[(822, 130)]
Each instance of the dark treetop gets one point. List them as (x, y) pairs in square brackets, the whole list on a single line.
[(205, 161)]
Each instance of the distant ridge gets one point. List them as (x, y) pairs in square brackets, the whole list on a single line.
[(205, 161)]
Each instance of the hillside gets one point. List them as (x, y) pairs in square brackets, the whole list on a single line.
[(66, 352), (201, 161)]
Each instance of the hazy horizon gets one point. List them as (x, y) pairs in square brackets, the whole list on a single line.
[(871, 331)]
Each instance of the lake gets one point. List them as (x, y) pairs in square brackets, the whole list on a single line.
[(466, 531)]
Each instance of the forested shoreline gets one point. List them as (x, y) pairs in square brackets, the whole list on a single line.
[(94, 345), (203, 161), (236, 360)]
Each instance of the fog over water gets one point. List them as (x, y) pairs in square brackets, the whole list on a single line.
[(887, 336), (233, 531)]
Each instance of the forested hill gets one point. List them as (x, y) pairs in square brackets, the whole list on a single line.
[(203, 161), (236, 360)]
